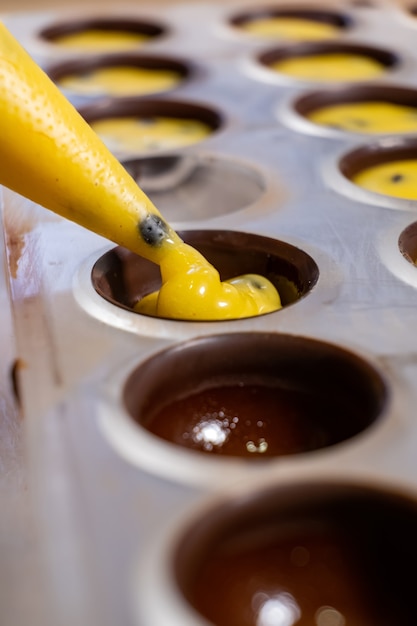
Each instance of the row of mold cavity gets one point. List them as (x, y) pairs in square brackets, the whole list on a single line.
[(228, 410), (136, 126), (319, 551), (286, 23), (253, 409), (130, 74), (94, 49), (145, 126), (203, 395), (223, 409), (138, 129), (133, 127)]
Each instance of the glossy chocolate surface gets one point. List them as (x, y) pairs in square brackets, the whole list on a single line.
[(315, 554)]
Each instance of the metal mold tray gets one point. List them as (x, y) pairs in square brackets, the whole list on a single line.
[(93, 514)]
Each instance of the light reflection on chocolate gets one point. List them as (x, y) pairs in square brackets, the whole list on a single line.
[(254, 395), (255, 421), (302, 555)]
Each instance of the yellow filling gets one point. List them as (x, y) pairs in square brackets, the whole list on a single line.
[(121, 81), (49, 154), (367, 117), (97, 40), (397, 179), (290, 28), (330, 67), (192, 281), (137, 135)]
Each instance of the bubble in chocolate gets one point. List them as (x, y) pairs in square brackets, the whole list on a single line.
[(153, 229)]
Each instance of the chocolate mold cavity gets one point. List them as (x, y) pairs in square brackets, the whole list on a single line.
[(76, 75), (136, 31), (123, 278), (322, 552), (312, 102), (199, 122), (407, 243), (340, 21), (373, 154), (381, 60), (394, 184), (254, 395), (196, 187)]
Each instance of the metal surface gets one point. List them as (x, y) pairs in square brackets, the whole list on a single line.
[(93, 515)]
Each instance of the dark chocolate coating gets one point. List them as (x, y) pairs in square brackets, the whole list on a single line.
[(255, 395), (311, 552)]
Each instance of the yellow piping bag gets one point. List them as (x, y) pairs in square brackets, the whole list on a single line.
[(50, 154)]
